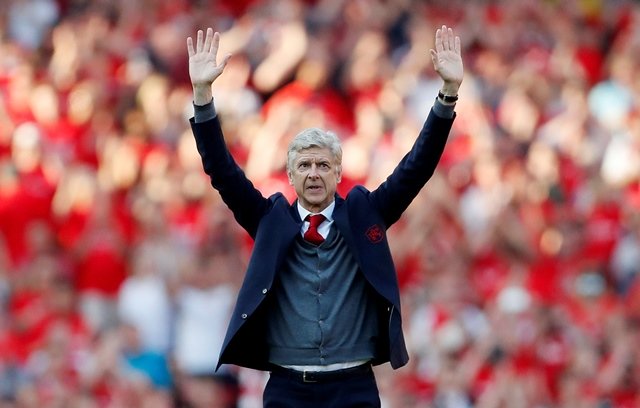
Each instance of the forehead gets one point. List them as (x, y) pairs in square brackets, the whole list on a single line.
[(315, 154)]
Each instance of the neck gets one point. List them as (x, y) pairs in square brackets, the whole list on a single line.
[(314, 209)]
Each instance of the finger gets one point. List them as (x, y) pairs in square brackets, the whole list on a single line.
[(434, 58), (199, 42), (215, 45), (445, 37), (457, 45), (438, 40), (451, 38), (209, 40), (190, 49)]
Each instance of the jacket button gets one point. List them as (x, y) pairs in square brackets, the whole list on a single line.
[(264, 291), (244, 316)]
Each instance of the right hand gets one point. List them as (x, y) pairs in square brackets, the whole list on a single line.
[(203, 63)]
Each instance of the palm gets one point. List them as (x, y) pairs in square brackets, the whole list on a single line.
[(203, 68), (449, 66)]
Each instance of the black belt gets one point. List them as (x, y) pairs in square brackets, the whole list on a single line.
[(321, 376)]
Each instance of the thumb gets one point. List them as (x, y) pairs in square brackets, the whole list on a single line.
[(434, 58), (225, 61)]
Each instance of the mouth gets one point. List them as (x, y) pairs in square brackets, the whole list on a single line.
[(314, 188)]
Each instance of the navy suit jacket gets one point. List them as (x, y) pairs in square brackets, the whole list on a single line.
[(362, 217)]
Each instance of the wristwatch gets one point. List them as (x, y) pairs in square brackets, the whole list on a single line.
[(447, 98)]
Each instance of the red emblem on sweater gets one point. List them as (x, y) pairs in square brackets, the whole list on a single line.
[(375, 234)]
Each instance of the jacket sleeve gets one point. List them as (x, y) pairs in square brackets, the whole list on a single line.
[(245, 201), (395, 194)]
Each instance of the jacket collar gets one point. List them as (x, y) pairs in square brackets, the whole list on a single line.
[(339, 201)]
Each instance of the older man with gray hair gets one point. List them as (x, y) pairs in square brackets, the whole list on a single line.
[(320, 302)]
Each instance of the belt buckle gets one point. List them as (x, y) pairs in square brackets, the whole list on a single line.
[(305, 379)]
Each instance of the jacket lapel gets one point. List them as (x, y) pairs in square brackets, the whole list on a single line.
[(341, 220)]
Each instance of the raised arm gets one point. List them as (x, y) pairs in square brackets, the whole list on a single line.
[(395, 194), (447, 60), (203, 65), (239, 194)]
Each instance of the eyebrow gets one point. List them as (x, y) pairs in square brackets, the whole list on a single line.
[(309, 159)]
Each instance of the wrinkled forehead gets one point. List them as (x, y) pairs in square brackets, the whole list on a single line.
[(315, 154)]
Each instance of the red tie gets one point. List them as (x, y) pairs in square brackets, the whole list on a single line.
[(312, 235)]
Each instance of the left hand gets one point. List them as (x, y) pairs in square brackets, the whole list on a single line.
[(447, 60)]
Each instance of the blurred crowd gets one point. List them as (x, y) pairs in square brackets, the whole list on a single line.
[(518, 262)]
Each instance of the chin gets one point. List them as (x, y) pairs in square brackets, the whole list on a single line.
[(316, 203)]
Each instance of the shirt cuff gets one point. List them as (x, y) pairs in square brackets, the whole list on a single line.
[(442, 110), (203, 113)]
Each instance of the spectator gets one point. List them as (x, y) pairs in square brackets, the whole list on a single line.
[(145, 286), (203, 306)]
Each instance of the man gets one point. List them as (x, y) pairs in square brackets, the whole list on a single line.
[(320, 303)]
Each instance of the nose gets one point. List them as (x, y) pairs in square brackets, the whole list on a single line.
[(313, 171)]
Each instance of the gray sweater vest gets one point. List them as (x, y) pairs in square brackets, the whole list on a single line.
[(323, 310)]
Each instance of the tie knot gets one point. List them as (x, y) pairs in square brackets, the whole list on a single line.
[(312, 235), (315, 220)]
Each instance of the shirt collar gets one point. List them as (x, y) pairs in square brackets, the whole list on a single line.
[(327, 212)]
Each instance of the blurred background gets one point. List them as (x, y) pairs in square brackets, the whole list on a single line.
[(119, 264)]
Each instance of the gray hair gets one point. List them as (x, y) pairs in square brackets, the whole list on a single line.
[(314, 137)]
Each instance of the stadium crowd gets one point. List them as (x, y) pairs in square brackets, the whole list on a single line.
[(518, 262)]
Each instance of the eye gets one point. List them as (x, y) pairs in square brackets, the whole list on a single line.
[(303, 165), (324, 166)]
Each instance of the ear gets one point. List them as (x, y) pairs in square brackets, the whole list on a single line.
[(290, 177), (339, 174)]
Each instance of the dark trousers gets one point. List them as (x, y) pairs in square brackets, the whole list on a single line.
[(286, 389)]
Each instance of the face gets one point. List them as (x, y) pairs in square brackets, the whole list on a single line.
[(315, 176)]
